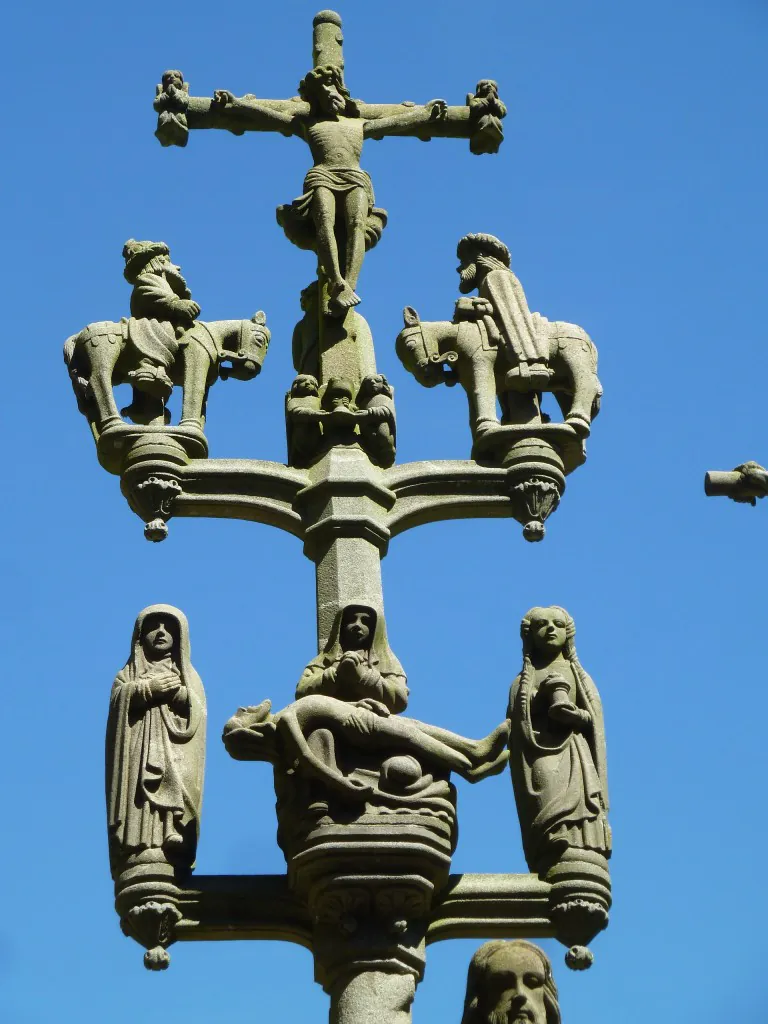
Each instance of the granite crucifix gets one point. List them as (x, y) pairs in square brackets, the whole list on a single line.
[(366, 810), (335, 215)]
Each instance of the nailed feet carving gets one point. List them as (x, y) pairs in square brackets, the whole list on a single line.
[(336, 215)]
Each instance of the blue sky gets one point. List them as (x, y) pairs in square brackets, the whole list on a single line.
[(631, 191)]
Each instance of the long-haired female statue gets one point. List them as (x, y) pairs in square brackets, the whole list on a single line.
[(156, 744), (557, 745)]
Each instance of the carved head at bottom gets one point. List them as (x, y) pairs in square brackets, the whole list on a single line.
[(510, 983)]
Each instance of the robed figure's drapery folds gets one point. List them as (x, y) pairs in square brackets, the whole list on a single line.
[(380, 675), (558, 771), (520, 330), (155, 750)]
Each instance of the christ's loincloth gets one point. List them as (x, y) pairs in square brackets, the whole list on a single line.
[(296, 218)]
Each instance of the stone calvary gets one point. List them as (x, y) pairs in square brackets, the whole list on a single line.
[(367, 812)]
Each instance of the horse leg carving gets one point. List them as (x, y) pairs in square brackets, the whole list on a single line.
[(480, 386), (197, 366), (577, 359), (103, 359)]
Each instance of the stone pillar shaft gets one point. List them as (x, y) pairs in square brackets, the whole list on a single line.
[(327, 40), (373, 997), (348, 571)]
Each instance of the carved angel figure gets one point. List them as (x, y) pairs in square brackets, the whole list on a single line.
[(155, 751), (557, 745)]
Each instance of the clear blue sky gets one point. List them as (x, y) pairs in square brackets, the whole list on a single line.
[(631, 189)]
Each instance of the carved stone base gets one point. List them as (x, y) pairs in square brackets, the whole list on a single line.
[(149, 462), (579, 901), (146, 898), (118, 441), (369, 885), (536, 483)]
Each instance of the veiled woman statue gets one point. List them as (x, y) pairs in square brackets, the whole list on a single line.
[(357, 663), (156, 744), (557, 745)]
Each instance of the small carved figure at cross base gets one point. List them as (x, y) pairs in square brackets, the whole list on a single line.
[(510, 983)]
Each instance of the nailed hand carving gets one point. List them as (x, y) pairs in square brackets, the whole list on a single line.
[(744, 484), (510, 983), (496, 348), (335, 215), (160, 345), (559, 775), (156, 745)]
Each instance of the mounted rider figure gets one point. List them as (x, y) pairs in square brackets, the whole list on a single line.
[(484, 264), (162, 310)]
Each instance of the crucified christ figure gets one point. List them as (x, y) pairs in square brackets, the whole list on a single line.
[(335, 215)]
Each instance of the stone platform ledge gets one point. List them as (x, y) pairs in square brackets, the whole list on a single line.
[(471, 906), (266, 492)]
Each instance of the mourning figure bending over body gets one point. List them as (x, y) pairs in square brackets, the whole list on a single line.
[(155, 751), (510, 983), (357, 663), (557, 745), (350, 695)]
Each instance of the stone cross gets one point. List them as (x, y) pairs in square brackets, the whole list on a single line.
[(335, 216), (367, 884)]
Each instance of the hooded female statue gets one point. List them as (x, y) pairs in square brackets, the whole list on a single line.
[(155, 752), (557, 745), (357, 663)]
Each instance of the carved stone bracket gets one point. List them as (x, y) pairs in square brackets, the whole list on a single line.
[(146, 899), (325, 502), (469, 906)]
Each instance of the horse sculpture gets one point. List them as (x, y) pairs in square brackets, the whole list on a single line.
[(106, 354), (467, 351)]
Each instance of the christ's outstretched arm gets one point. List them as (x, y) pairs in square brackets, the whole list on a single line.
[(247, 113), (407, 122)]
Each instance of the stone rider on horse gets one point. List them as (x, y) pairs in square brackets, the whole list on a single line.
[(484, 264)]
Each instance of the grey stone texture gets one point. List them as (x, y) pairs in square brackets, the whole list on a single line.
[(502, 353), (511, 982), (559, 776), (335, 216), (366, 809), (161, 345), (155, 762), (744, 484)]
